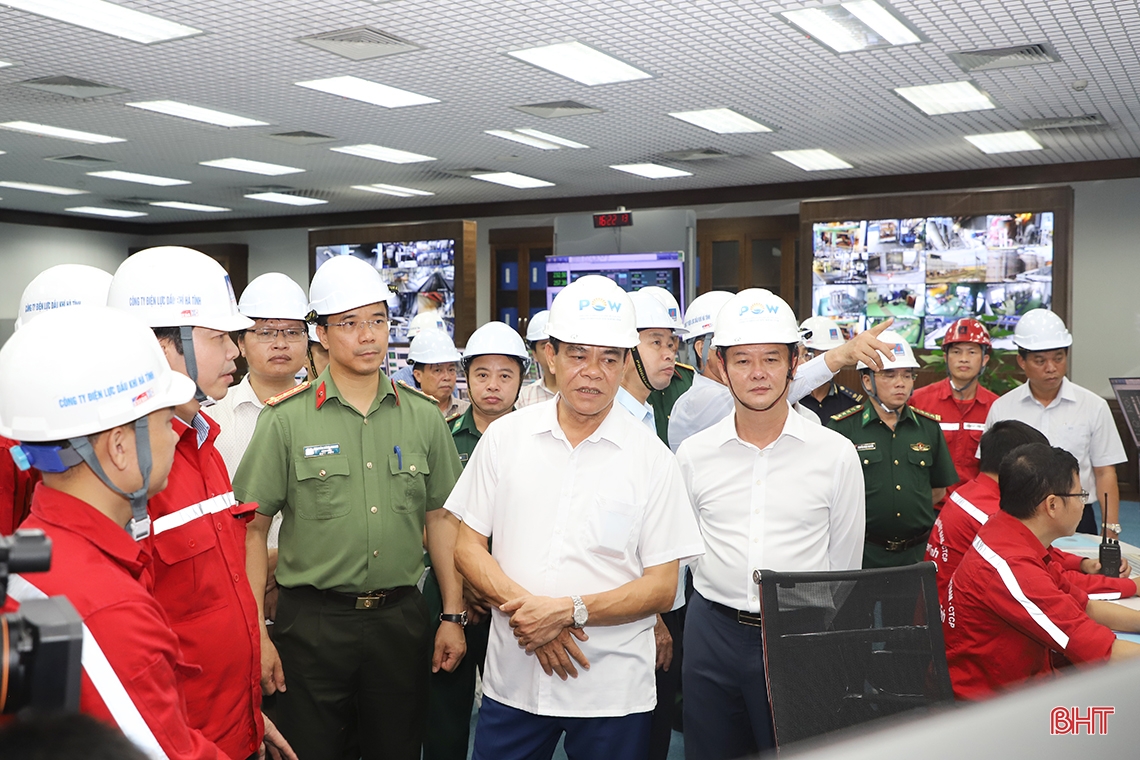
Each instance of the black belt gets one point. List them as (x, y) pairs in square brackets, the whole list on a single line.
[(362, 600), (741, 616), (899, 544)]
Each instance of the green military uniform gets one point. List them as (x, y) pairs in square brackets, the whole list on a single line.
[(662, 401), (453, 694), (354, 491), (839, 399), (901, 467)]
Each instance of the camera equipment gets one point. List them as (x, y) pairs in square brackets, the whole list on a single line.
[(1109, 551), (40, 644)]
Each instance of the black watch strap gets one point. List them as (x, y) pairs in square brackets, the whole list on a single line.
[(461, 618)]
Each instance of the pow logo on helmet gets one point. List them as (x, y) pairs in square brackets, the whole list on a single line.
[(599, 304)]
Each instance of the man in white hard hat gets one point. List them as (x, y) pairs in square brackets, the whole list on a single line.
[(820, 336), (664, 399), (59, 287), (906, 463), (434, 360), (579, 577), (546, 386), (198, 529), (97, 422), (1071, 417), (771, 490), (359, 468), (495, 361), (425, 320)]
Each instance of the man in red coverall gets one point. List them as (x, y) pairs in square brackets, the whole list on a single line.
[(959, 399), (971, 506), (197, 531), (102, 452)]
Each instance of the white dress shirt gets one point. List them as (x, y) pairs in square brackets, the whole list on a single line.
[(1077, 420), (796, 505), (534, 393), (609, 508)]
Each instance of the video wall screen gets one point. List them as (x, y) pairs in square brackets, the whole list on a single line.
[(631, 271), (421, 272), (927, 272)]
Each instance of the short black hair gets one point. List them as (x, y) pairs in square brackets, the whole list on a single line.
[(1030, 473), (793, 350), (172, 334), (557, 344), (1004, 437), (1025, 352)]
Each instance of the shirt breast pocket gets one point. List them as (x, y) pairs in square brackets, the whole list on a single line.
[(322, 487), (184, 550), (409, 481), (610, 528), (869, 456), (1075, 439), (922, 459)]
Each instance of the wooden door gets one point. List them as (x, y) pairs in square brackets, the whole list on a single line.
[(749, 252)]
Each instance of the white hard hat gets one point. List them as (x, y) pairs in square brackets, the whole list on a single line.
[(432, 347), (496, 338), (61, 287), (593, 311), (425, 320), (901, 350), (536, 328), (1041, 330), (273, 296), (346, 282), (652, 313), (753, 316), (700, 318), (822, 334), (172, 286), (115, 375), (666, 299)]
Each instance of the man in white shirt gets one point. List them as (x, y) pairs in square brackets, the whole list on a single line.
[(771, 491), (577, 577), (544, 388), (1071, 417)]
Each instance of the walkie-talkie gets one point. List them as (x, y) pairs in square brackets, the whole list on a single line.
[(1109, 550)]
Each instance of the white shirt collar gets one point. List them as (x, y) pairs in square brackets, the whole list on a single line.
[(793, 426), (643, 413), (1066, 393), (243, 393), (612, 427)]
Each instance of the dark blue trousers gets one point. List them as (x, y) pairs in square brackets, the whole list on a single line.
[(507, 733), (726, 694)]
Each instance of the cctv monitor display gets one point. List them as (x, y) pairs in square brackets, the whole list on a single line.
[(632, 271)]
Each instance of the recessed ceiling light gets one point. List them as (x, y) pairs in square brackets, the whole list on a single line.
[(380, 153), (100, 211), (109, 18), (533, 142), (510, 179), (1004, 142), (49, 189), (581, 63), (45, 130), (375, 93), (855, 25), (812, 160), (953, 97), (651, 171), (553, 138), (289, 200), (253, 167), (396, 190), (142, 179), (4, 64), (723, 121), (189, 206), (197, 113)]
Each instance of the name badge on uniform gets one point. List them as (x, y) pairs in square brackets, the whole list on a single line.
[(865, 446), (973, 426), (949, 425), (463, 458), (321, 450), (920, 446)]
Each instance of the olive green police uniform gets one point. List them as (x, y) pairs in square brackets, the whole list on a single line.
[(901, 467), (352, 630), (662, 401), (453, 694)]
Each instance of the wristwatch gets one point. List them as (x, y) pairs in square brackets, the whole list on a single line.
[(460, 619), (1114, 527), (580, 613)]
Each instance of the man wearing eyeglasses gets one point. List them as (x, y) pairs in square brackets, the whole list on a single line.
[(358, 467)]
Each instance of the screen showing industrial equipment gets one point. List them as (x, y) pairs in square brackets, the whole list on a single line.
[(420, 272), (927, 272), (632, 271)]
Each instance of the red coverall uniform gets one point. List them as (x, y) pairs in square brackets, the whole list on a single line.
[(969, 509), (1008, 607), (198, 546), (131, 662), (963, 430)]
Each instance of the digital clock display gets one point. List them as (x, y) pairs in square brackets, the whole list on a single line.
[(618, 219)]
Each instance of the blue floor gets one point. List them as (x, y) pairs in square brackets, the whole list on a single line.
[(676, 746)]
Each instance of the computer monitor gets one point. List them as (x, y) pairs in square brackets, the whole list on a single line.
[(631, 271)]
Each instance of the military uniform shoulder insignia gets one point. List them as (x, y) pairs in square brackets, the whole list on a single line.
[(929, 415), (275, 400), (453, 420), (847, 413), (416, 392), (686, 366), (850, 393)]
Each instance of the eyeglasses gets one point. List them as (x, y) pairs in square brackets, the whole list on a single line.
[(269, 335), (375, 325), (1083, 494)]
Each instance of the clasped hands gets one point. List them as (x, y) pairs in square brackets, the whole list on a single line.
[(543, 626)]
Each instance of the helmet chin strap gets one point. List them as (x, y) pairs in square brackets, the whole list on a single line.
[(139, 526), (640, 367), (706, 342), (874, 394), (186, 332)]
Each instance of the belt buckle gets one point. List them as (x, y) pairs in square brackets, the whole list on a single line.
[(895, 545), (748, 618), (369, 601)]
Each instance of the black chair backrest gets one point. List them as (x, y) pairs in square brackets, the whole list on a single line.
[(843, 648)]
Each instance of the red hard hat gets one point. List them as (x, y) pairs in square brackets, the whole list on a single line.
[(967, 330)]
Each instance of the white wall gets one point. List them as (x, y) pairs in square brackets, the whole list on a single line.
[(285, 251)]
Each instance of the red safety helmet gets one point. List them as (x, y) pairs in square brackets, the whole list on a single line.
[(967, 330)]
